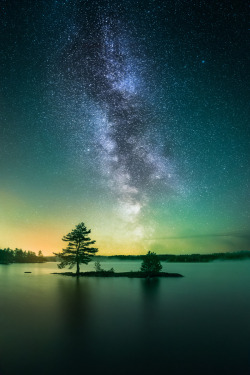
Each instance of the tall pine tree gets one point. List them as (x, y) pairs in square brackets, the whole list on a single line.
[(78, 250)]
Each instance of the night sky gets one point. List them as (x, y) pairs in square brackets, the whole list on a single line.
[(131, 116)]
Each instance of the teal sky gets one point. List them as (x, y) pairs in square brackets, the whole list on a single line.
[(132, 117)]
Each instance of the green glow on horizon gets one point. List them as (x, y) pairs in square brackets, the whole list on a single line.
[(133, 125)]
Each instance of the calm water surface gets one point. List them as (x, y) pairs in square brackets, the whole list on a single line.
[(52, 324)]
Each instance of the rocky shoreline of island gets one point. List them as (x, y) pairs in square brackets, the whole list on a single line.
[(131, 274)]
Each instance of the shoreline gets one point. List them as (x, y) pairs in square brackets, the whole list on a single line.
[(138, 275)]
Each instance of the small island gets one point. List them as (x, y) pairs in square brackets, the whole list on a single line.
[(79, 250), (131, 274)]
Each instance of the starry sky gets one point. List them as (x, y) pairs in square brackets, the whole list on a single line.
[(131, 116)]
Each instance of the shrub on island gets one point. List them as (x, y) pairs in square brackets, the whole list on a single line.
[(151, 263)]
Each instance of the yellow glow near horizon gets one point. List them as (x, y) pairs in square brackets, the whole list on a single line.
[(35, 226)]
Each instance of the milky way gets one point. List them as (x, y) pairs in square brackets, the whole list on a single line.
[(102, 64), (130, 115)]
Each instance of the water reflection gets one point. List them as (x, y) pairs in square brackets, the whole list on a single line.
[(76, 322), (75, 301), (150, 287), (150, 294), (57, 325)]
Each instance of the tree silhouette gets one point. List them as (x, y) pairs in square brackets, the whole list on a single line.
[(41, 257), (98, 267), (78, 250), (151, 263)]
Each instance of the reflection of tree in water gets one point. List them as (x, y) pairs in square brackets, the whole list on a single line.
[(150, 334), (150, 302), (75, 299), (150, 288)]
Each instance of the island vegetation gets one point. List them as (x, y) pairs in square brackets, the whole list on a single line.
[(78, 250), (151, 263), (150, 267)]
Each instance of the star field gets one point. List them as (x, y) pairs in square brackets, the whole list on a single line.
[(131, 116)]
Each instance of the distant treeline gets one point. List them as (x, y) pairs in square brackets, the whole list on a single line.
[(207, 257), (19, 256), (188, 258), (8, 256)]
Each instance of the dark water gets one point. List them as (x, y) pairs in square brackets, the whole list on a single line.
[(200, 324)]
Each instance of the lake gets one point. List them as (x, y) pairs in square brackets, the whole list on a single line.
[(53, 324)]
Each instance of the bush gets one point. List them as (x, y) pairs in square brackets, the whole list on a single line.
[(151, 263), (98, 266)]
